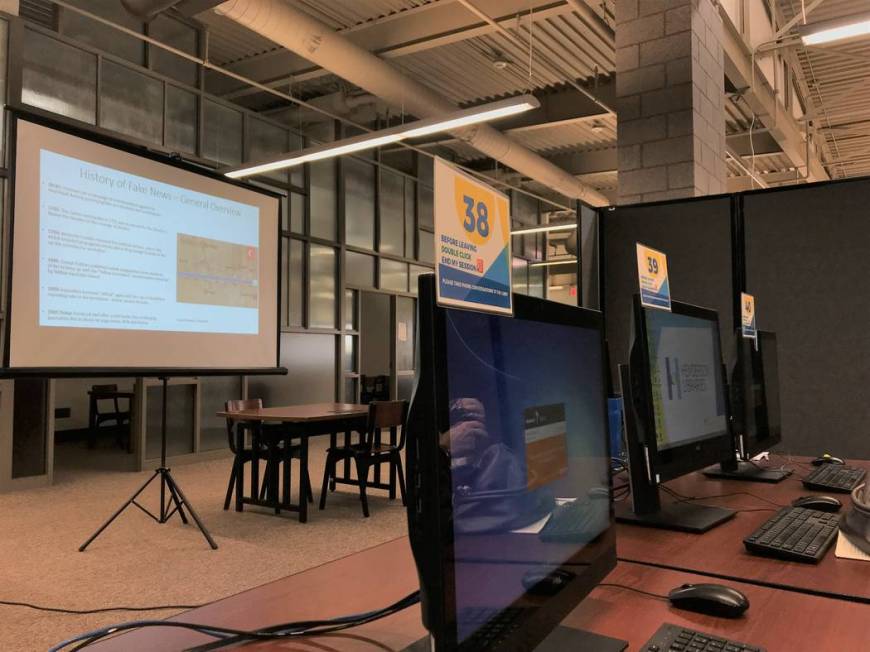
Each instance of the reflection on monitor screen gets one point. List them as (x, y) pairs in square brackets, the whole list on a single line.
[(528, 455), (688, 396)]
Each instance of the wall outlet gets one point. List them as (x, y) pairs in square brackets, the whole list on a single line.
[(62, 413)]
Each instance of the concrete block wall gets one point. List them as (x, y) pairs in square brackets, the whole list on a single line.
[(669, 99)]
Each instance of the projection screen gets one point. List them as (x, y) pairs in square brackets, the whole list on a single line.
[(120, 261)]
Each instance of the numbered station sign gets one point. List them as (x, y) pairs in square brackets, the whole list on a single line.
[(652, 276), (748, 317), (472, 242)]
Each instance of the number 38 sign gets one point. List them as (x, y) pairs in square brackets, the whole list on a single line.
[(652, 276), (472, 242)]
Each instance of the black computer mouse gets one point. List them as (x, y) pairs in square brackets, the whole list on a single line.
[(827, 459), (820, 503), (709, 599), (546, 582)]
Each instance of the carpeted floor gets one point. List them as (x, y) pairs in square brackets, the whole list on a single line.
[(137, 562)]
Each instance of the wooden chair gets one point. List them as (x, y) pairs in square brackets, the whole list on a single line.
[(103, 394), (371, 451), (270, 450)]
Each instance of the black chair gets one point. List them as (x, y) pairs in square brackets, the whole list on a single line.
[(100, 396), (270, 450), (374, 388), (371, 451)]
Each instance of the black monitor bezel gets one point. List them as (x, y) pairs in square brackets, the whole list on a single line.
[(431, 531), (751, 444), (676, 461)]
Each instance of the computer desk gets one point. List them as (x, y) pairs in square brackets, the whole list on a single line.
[(720, 551), (776, 619)]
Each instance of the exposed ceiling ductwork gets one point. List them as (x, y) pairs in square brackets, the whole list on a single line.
[(309, 38), (147, 9)]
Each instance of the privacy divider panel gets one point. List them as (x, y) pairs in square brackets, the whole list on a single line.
[(696, 236), (806, 263)]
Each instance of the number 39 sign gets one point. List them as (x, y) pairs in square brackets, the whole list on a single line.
[(652, 276), (472, 242)]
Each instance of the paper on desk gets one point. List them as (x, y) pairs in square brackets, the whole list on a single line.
[(848, 550), (537, 526)]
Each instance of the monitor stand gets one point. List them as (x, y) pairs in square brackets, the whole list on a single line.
[(746, 471), (683, 517), (561, 639)]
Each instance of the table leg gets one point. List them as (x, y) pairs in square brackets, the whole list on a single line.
[(333, 443), (392, 466), (287, 461), (92, 417), (303, 479), (347, 436), (255, 461), (240, 468)]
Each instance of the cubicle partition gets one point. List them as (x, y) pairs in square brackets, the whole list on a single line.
[(807, 250), (695, 234), (803, 252)]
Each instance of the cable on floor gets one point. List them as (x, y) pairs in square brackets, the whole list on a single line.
[(81, 612)]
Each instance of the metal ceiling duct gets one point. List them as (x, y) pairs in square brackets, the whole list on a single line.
[(315, 41)]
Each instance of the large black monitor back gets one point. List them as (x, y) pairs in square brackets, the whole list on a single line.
[(806, 263), (696, 236)]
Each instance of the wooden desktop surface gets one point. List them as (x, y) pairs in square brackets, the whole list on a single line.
[(721, 551), (776, 619), (301, 413)]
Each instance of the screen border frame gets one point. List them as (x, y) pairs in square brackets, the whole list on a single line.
[(440, 593), (18, 114), (676, 461)]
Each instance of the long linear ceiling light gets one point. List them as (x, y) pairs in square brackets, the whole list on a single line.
[(549, 263), (835, 30), (545, 229), (453, 120)]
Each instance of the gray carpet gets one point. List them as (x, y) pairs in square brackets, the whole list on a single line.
[(137, 562)]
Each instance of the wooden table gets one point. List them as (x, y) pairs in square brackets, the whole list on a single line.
[(720, 552), (296, 422), (776, 619)]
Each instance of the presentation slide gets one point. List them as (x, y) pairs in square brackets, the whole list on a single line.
[(121, 251), (121, 260), (686, 393)]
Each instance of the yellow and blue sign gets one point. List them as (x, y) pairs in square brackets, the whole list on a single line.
[(472, 242), (652, 276), (748, 317)]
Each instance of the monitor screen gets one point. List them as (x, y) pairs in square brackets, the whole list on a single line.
[(756, 394), (770, 373), (527, 442), (688, 396)]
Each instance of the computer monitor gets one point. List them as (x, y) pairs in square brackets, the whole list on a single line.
[(676, 411), (756, 412), (508, 472)]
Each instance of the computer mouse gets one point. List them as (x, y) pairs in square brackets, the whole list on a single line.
[(546, 582), (709, 599), (820, 503), (827, 459)]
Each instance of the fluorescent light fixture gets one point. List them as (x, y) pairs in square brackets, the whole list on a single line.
[(453, 120), (835, 30), (549, 263), (545, 229)]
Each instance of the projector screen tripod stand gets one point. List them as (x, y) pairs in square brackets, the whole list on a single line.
[(172, 499)]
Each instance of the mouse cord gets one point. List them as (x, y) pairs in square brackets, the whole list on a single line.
[(683, 498), (657, 596)]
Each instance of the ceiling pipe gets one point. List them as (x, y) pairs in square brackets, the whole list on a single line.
[(311, 39), (147, 9)]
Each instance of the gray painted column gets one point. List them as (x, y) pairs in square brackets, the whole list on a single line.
[(670, 99)]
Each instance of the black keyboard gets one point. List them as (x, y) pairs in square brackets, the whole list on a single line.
[(672, 638), (494, 626), (834, 477), (795, 533), (578, 521)]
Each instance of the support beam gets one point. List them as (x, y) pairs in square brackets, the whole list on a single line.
[(424, 28), (762, 100)]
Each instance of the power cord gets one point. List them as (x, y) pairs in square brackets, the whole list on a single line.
[(81, 612), (228, 636)]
